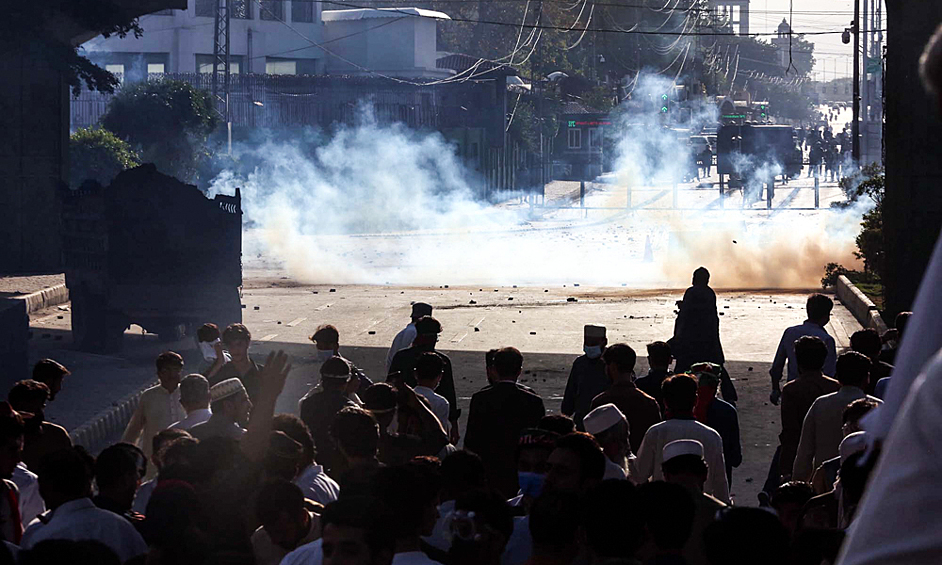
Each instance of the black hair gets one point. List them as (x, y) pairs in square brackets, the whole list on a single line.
[(365, 513), (668, 511), (168, 360), (659, 353), (622, 356), (745, 536), (296, 429), (866, 341), (428, 365), (857, 409), (491, 507), (508, 361), (558, 423), (118, 461), (680, 393), (591, 458), (356, 432), (401, 489), (792, 492), (68, 471), (689, 463), (327, 334), (810, 352), (462, 471), (236, 332), (27, 392), (613, 526), (276, 497), (818, 306), (853, 369), (555, 518)]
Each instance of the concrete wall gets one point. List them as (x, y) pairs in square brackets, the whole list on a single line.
[(14, 342), (859, 305), (404, 48)]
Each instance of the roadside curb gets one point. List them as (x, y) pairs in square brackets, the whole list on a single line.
[(45, 298), (106, 427), (859, 305)]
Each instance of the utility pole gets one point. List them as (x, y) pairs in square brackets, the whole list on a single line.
[(855, 126), (221, 65)]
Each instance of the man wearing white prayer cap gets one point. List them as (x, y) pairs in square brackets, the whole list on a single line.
[(610, 428), (231, 408), (587, 379)]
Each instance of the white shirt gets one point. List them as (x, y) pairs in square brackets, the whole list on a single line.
[(308, 554), (651, 452), (614, 471), (412, 558), (193, 418), (316, 485), (786, 350), (142, 497), (155, 412), (81, 520), (31, 503), (439, 404), (402, 340), (440, 538), (898, 520)]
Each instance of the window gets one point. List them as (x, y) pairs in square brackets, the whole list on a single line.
[(115, 69), (302, 11), (595, 138), (575, 138), (281, 66), (206, 8), (240, 9), (157, 68), (204, 64), (272, 10)]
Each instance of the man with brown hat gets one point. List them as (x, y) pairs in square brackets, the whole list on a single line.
[(587, 379), (405, 336), (231, 408)]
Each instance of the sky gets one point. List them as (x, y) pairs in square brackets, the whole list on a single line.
[(833, 57)]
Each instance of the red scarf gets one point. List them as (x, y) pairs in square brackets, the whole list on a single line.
[(705, 396)]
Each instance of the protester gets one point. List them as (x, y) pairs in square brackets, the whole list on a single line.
[(65, 481), (587, 378), (697, 328), (818, 308), (326, 340), (868, 342), (640, 409), (404, 338), (237, 339), (402, 368), (611, 532), (420, 432), (118, 473), (499, 412), (668, 512), (461, 472), (555, 523), (893, 340), (195, 399), (41, 437), (821, 430), (788, 500), (533, 451), (159, 406), (211, 348), (411, 494), (161, 441), (659, 368), (286, 523), (683, 464), (610, 429), (312, 479), (282, 459), (231, 408), (560, 424), (356, 434), (481, 525), (356, 532), (825, 475), (680, 398), (51, 374), (718, 414), (319, 407), (429, 369), (746, 536)]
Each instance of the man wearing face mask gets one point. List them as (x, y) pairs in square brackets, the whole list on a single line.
[(211, 348), (587, 379), (319, 407), (327, 341)]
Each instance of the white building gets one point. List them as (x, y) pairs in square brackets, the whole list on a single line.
[(266, 36), (735, 11)]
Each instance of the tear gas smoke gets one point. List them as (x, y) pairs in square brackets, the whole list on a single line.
[(381, 204)]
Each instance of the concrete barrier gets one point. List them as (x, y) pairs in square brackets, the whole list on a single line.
[(859, 305), (108, 425)]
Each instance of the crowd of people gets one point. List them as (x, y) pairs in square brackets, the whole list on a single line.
[(629, 470)]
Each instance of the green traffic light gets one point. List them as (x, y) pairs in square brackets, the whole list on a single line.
[(763, 114), (664, 109), (663, 97)]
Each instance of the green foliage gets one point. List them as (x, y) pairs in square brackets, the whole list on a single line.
[(167, 121), (831, 273), (868, 182), (99, 155)]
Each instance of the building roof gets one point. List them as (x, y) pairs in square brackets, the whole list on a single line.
[(371, 13), (460, 62)]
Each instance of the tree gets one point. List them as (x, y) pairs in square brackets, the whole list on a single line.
[(99, 155), (166, 121)]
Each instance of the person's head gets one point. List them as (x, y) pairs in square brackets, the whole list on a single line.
[(283, 457), (230, 400), (12, 428), (427, 329), (65, 475), (659, 355), (50, 373), (194, 393), (819, 308), (930, 67), (237, 339), (407, 492), (356, 532), (533, 450), (853, 369), (420, 310), (173, 523), (356, 433), (680, 394), (207, 333), (810, 352), (560, 424), (746, 536), (462, 471), (489, 366), (788, 501), (619, 362), (575, 464), (610, 429), (682, 463), (555, 521), (900, 323), (382, 401), (853, 413), (481, 526), (594, 340), (326, 338), (336, 374), (613, 527), (707, 375), (118, 473), (161, 441), (169, 367), (280, 509), (428, 369), (179, 460), (668, 511), (868, 342), (508, 362), (29, 396), (296, 429), (701, 277)]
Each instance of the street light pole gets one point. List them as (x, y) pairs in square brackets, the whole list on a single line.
[(855, 126)]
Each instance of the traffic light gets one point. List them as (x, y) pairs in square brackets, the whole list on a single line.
[(762, 113), (665, 103)]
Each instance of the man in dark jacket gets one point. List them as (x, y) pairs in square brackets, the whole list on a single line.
[(587, 379), (319, 407), (402, 368), (499, 412), (717, 414)]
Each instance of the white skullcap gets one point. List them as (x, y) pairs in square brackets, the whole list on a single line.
[(853, 443), (602, 418), (225, 389), (594, 330), (680, 447)]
